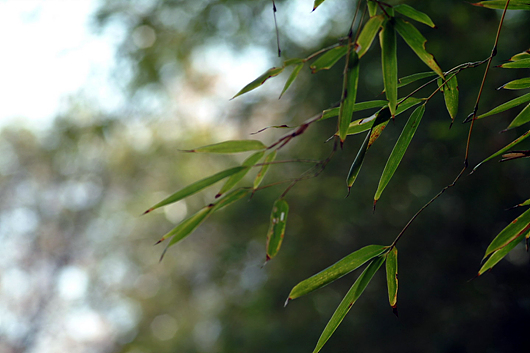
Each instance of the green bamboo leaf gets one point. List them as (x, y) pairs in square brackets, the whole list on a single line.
[(339, 269), (330, 58), (333, 112), (347, 302), (514, 230), (498, 256), (376, 132), (233, 146), (505, 106), (450, 91), (522, 118), (197, 186), (500, 4), (392, 277), (521, 83), (230, 198), (235, 178), (526, 203), (274, 71), (292, 77), (186, 227), (414, 14), (317, 4), (368, 33), (387, 39), (351, 81), (416, 41), (414, 77), (524, 55), (504, 149), (264, 168), (293, 61), (276, 227), (519, 64), (399, 150), (372, 8), (357, 163)]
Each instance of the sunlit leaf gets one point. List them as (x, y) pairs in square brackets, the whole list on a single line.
[(414, 14), (524, 55), (347, 302), (501, 4), (521, 83), (357, 162), (341, 268), (197, 186), (233, 146), (330, 58), (392, 277), (317, 4), (277, 227), (387, 39), (275, 71), (399, 149), (515, 229), (414, 77), (498, 256), (416, 41), (351, 80), (292, 77), (504, 149), (264, 168), (450, 91), (522, 118), (519, 64), (235, 178), (333, 112), (368, 34), (372, 8), (505, 106)]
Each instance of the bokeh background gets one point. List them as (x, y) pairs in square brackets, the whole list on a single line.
[(99, 96)]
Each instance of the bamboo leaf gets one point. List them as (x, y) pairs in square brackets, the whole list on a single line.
[(293, 61), (524, 55), (186, 227), (277, 227), (497, 256), (232, 146), (450, 91), (333, 112), (521, 83), (317, 4), (264, 168), (416, 41), (500, 4), (392, 277), (387, 39), (505, 106), (368, 33), (519, 64), (330, 58), (339, 269), (274, 71), (376, 132), (504, 149), (399, 150), (292, 77), (235, 178), (514, 230), (414, 14), (230, 198), (414, 77), (197, 186), (351, 80), (357, 163), (347, 302), (372, 8), (522, 118)]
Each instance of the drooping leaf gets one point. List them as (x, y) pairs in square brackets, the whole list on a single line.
[(328, 59), (292, 77), (333, 112), (416, 41), (515, 229), (351, 80), (392, 277), (317, 4), (277, 227), (197, 186), (521, 83), (500, 4), (367, 35), (416, 15), (232, 146), (522, 118), (387, 39), (235, 178), (372, 8), (399, 150), (505, 106), (504, 149), (264, 168), (450, 91), (274, 71), (414, 77), (357, 162), (230, 198), (341, 268), (347, 302), (498, 256), (186, 227), (519, 64)]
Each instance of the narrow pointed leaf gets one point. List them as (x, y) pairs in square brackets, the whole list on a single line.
[(333, 112), (505, 106), (521, 83), (292, 77), (450, 91), (347, 302), (275, 71), (498, 256), (376, 132), (526, 203), (235, 178), (414, 14), (392, 277), (387, 39), (341, 268), (264, 168), (328, 59), (500, 4), (277, 227), (414, 77), (230, 198), (317, 4), (351, 81), (522, 118), (519, 64), (233, 146), (368, 33), (197, 186), (357, 162), (504, 149), (510, 156), (293, 61), (416, 41), (515, 229), (399, 149), (372, 8), (524, 55), (186, 227)]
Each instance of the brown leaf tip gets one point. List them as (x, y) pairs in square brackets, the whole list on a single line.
[(149, 210)]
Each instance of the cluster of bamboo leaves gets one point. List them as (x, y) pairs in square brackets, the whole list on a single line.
[(384, 22)]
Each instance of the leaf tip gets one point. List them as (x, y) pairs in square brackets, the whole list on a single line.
[(218, 195), (286, 302), (146, 212), (348, 194)]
